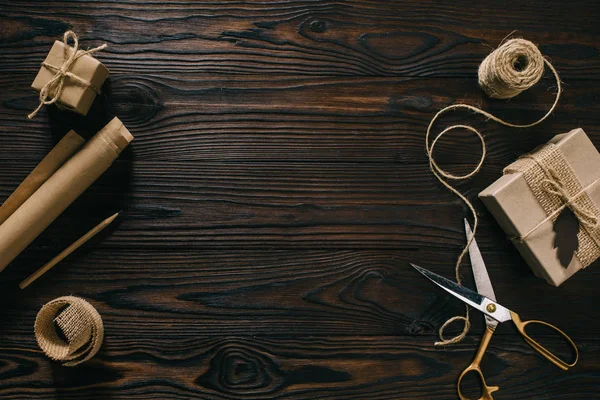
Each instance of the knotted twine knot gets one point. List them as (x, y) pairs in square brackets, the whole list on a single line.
[(79, 323), (513, 67), (553, 185), (52, 90)]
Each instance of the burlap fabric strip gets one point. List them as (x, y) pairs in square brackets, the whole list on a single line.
[(555, 186), (52, 90), (69, 329)]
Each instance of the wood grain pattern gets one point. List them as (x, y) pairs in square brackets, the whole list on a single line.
[(318, 292), (412, 38), (277, 189), (282, 367), (194, 205), (207, 118)]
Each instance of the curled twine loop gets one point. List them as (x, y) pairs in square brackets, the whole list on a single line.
[(54, 87), (553, 185), (513, 67)]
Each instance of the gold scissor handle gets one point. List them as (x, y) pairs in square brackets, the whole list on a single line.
[(474, 367), (541, 349)]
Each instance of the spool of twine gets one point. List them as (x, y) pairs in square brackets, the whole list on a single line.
[(515, 66), (69, 329), (512, 68)]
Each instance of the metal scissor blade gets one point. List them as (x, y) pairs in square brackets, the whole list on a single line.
[(482, 279), (472, 298), (467, 295)]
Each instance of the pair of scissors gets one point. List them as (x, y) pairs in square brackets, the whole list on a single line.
[(485, 301)]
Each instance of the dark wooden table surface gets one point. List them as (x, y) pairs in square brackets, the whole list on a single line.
[(276, 190)]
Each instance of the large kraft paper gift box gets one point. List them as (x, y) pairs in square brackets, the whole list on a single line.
[(74, 96), (557, 179)]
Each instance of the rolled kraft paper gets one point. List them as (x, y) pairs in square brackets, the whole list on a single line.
[(75, 320), (61, 189), (64, 149)]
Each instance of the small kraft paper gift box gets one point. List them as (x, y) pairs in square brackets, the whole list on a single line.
[(70, 77), (548, 203)]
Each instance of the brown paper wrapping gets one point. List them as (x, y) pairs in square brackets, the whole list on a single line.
[(61, 189), (75, 97), (63, 150), (513, 204)]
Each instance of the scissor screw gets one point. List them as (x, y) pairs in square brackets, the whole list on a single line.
[(491, 307)]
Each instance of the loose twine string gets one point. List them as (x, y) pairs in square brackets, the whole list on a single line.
[(54, 87), (513, 67)]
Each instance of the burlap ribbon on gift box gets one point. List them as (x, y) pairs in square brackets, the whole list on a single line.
[(556, 187)]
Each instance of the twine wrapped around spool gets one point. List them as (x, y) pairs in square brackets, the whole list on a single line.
[(515, 66), (79, 323), (512, 68)]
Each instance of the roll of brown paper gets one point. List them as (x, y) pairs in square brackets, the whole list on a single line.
[(61, 189), (63, 150)]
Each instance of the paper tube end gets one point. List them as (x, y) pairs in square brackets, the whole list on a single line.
[(117, 133)]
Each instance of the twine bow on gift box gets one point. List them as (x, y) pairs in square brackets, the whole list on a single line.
[(556, 187), (52, 90)]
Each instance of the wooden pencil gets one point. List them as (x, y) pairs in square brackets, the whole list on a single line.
[(63, 254)]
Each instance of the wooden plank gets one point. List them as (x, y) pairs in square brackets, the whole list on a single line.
[(296, 368), (188, 205), (177, 293), (297, 205), (366, 37), (305, 120)]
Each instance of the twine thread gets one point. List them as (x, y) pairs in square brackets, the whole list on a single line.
[(50, 93), (512, 68), (553, 185)]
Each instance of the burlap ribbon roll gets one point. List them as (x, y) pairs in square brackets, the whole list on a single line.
[(79, 323), (556, 187)]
